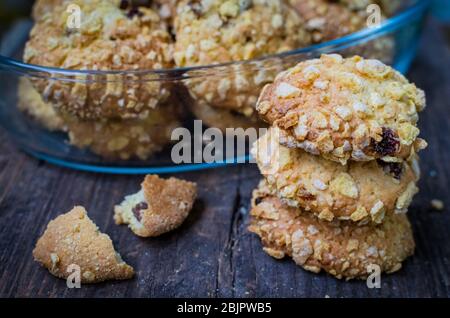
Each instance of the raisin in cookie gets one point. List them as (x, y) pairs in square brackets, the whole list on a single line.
[(113, 35), (359, 191), (221, 31), (159, 207), (72, 238), (341, 249), (345, 109)]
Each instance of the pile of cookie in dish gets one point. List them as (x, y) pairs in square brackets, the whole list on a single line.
[(340, 166), (132, 114)]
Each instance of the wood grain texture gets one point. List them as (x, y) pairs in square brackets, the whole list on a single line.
[(213, 254)]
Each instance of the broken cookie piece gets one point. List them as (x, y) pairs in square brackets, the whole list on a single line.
[(160, 206), (73, 239)]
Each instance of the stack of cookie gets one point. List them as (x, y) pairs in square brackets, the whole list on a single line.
[(340, 166)]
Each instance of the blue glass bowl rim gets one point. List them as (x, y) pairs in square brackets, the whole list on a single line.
[(414, 11)]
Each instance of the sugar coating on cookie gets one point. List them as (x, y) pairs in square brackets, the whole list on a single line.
[(112, 35), (159, 207), (214, 32), (345, 109), (341, 249), (359, 191), (73, 239), (121, 139)]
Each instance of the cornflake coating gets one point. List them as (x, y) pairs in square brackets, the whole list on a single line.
[(341, 249), (359, 191), (345, 109), (214, 32), (113, 36), (327, 20), (167, 10), (72, 238), (159, 207), (224, 118), (125, 139), (30, 102), (109, 138), (387, 6)]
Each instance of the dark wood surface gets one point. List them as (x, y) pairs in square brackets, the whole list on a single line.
[(213, 254)]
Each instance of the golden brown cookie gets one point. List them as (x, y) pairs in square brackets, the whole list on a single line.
[(358, 191), (159, 207), (127, 138), (109, 138), (30, 102), (72, 238), (214, 32), (342, 249), (113, 36), (387, 6), (328, 20), (224, 118), (167, 10), (345, 109)]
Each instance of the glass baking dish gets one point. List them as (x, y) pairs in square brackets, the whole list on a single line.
[(124, 147)]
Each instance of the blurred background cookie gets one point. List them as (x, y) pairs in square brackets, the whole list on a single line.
[(345, 109), (114, 36), (214, 32), (359, 191), (110, 138), (341, 249), (72, 239)]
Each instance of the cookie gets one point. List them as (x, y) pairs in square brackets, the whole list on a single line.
[(134, 138), (167, 10), (159, 207), (72, 238), (359, 191), (222, 31), (341, 249), (112, 35), (109, 138), (387, 6), (30, 102), (328, 20), (345, 109), (224, 118)]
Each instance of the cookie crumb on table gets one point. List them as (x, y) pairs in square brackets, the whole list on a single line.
[(159, 207), (73, 238), (437, 204)]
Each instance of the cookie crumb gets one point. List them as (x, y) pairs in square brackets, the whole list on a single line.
[(437, 204)]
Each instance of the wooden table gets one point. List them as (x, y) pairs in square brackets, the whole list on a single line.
[(213, 254)]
